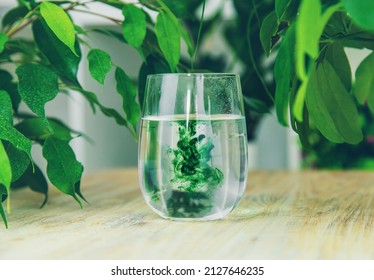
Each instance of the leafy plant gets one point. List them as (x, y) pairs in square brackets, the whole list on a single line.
[(47, 65), (313, 89), (312, 72), (329, 155)]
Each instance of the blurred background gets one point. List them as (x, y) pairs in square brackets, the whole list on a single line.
[(223, 49)]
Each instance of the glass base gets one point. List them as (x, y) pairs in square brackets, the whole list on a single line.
[(212, 217)]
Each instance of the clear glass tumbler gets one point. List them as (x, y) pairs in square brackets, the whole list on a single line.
[(193, 145)]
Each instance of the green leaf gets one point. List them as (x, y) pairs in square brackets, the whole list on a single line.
[(182, 9), (14, 15), (322, 119), (339, 23), (3, 40), (7, 131), (187, 39), (35, 180), (3, 195), (63, 170), (168, 37), (5, 180), (307, 34), (362, 12), (109, 112), (110, 33), (5, 78), (338, 59), (287, 10), (99, 64), (358, 38), (294, 89), (281, 7), (150, 45), (307, 46), (327, 14), (77, 188), (36, 129), (127, 90), (24, 47), (6, 114), (37, 85), (60, 23), (283, 70), (364, 84), (134, 26), (268, 29), (309, 28), (58, 54), (331, 107), (26, 3), (19, 160), (80, 30), (6, 83), (303, 129), (5, 169)]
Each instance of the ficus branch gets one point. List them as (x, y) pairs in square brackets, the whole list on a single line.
[(198, 36), (99, 15), (22, 24), (250, 52)]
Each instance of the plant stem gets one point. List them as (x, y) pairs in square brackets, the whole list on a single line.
[(198, 36), (345, 36), (256, 12), (183, 67), (99, 15), (149, 4), (19, 24), (10, 34)]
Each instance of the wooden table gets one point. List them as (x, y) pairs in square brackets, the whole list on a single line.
[(283, 215)]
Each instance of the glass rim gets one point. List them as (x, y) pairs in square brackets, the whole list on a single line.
[(195, 75)]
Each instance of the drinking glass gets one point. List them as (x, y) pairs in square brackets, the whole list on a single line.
[(193, 145)]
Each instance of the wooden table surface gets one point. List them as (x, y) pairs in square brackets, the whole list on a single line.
[(283, 215)]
